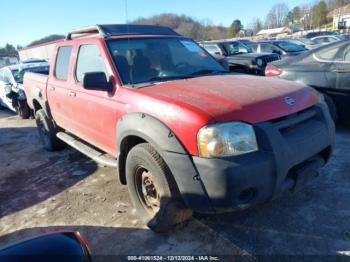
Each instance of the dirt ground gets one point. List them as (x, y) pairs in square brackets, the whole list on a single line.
[(42, 191)]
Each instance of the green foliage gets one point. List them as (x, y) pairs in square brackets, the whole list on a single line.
[(319, 16), (235, 27), (46, 39), (8, 50), (186, 26)]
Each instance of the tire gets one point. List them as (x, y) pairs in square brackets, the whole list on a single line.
[(23, 109), (332, 107), (47, 132), (153, 191)]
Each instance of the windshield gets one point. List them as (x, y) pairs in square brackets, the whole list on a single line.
[(160, 59), (290, 46), (235, 48), (19, 74)]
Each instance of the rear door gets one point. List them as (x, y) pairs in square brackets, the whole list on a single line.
[(59, 88)]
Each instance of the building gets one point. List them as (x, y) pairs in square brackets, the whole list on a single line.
[(341, 17), (274, 32)]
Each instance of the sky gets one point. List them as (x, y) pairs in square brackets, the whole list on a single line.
[(23, 21)]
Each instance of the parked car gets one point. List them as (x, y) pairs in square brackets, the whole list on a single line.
[(222, 61), (284, 48), (320, 33), (327, 69), (244, 41), (68, 246), (326, 39), (32, 60), (240, 57), (182, 133), (304, 42), (12, 94)]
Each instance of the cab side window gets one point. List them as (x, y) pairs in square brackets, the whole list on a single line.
[(62, 62), (89, 60)]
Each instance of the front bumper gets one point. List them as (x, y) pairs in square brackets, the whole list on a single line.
[(291, 150)]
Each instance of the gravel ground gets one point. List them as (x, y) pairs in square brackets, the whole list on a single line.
[(42, 192)]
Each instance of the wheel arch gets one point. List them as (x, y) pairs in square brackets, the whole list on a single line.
[(136, 128)]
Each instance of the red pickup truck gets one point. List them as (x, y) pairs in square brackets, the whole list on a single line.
[(182, 133)]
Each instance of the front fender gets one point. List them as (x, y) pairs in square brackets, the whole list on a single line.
[(143, 127)]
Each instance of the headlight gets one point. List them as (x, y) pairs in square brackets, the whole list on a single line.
[(226, 139), (259, 62)]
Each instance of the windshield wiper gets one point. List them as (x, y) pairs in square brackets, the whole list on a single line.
[(165, 78), (207, 71)]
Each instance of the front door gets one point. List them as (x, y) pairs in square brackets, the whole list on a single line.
[(94, 111)]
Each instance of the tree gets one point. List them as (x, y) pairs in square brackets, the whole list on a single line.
[(46, 39), (235, 27), (8, 50), (187, 26), (256, 25), (277, 16), (319, 14)]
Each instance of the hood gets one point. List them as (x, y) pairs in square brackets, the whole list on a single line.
[(235, 97)]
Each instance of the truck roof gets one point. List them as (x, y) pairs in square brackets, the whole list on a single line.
[(108, 30)]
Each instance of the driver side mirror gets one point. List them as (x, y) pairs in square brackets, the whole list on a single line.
[(97, 81)]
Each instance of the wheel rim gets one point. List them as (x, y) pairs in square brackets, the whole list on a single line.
[(147, 190)]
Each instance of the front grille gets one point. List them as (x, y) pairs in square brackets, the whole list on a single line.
[(290, 121), (271, 58)]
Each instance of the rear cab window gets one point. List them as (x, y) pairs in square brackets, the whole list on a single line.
[(62, 62)]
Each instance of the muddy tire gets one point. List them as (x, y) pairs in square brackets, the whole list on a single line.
[(23, 109), (332, 107), (153, 191), (47, 132)]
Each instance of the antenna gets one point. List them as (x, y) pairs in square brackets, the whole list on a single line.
[(128, 30)]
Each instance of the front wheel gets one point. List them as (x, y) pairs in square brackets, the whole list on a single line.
[(47, 132), (153, 191)]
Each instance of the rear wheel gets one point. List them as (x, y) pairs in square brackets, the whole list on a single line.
[(23, 109), (47, 132), (153, 190)]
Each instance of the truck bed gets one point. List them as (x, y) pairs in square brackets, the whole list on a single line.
[(34, 82)]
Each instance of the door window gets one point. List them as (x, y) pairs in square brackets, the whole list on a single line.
[(89, 60), (268, 48), (62, 62), (213, 49), (329, 54)]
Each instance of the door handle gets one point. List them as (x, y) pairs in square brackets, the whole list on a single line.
[(71, 93), (52, 88), (341, 71)]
